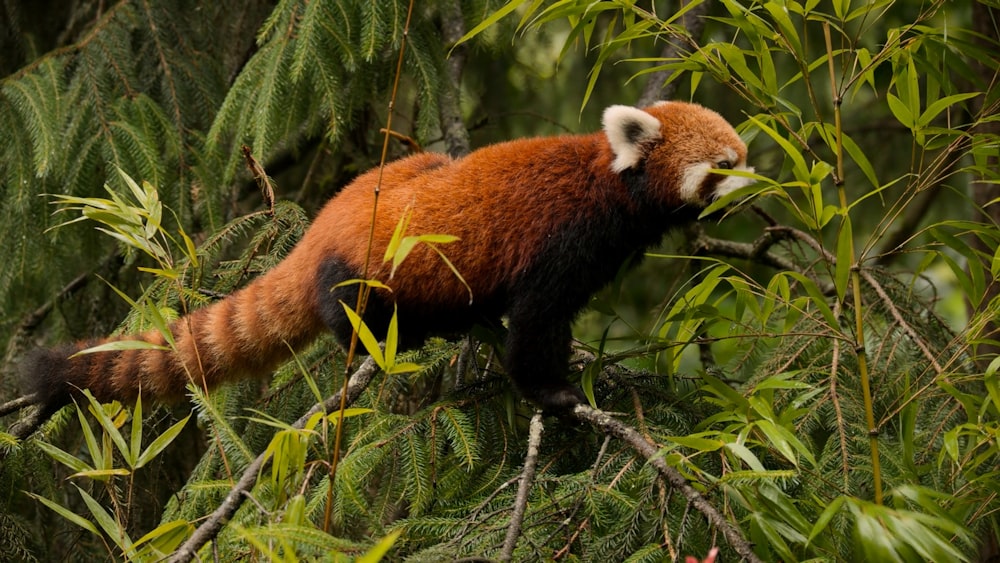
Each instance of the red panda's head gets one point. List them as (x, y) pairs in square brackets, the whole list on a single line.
[(677, 145)]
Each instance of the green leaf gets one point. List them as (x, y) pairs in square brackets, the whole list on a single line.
[(799, 167), (161, 442), (992, 382), (380, 549), (453, 269), (166, 537), (119, 345), (734, 400), (67, 514), (392, 250), (374, 284), (112, 528), (95, 450), (63, 457), (746, 455), (102, 474), (825, 517), (368, 339), (110, 429), (942, 104), (506, 9), (334, 417), (135, 443), (785, 442), (779, 13), (696, 442), (816, 298), (391, 340), (901, 112), (840, 8)]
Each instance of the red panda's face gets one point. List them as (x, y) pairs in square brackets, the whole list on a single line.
[(678, 145)]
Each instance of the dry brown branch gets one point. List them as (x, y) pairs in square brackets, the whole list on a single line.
[(759, 251), (609, 426), (524, 487)]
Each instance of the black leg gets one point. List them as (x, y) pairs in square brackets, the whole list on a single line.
[(537, 360)]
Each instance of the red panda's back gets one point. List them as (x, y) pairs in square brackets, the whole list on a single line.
[(502, 202)]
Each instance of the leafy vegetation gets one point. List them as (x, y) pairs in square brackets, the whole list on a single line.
[(824, 371)]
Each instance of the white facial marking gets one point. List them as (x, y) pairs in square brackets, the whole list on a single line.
[(694, 177), (733, 183), (628, 129)]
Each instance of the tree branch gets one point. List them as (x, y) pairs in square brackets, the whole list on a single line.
[(215, 522), (609, 426), (758, 251), (456, 136), (524, 487)]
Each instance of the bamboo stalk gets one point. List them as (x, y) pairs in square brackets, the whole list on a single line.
[(859, 333)]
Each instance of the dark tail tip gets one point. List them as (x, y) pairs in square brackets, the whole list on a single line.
[(44, 376)]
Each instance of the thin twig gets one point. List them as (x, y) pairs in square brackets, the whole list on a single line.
[(758, 251), (26, 426), (17, 404), (524, 487), (211, 527), (609, 426), (894, 312)]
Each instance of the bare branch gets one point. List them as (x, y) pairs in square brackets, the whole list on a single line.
[(758, 251), (17, 404), (26, 426), (609, 426), (524, 487)]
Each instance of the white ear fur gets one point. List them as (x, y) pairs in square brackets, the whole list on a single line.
[(627, 129)]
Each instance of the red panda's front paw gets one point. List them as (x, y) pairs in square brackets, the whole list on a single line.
[(558, 399)]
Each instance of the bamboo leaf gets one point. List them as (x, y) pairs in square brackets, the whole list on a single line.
[(63, 457), (368, 339), (825, 517), (110, 428), (161, 442), (496, 16), (112, 528), (901, 111), (845, 257), (166, 537), (135, 442), (67, 514), (380, 549)]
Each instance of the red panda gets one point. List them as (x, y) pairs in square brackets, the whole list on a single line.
[(542, 224)]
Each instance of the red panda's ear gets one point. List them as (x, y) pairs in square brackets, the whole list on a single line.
[(629, 129)]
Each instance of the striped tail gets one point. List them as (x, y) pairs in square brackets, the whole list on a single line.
[(248, 333)]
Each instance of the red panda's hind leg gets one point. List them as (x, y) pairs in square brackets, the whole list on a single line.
[(536, 360), (377, 314)]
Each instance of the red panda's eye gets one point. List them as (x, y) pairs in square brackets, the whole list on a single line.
[(724, 165)]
